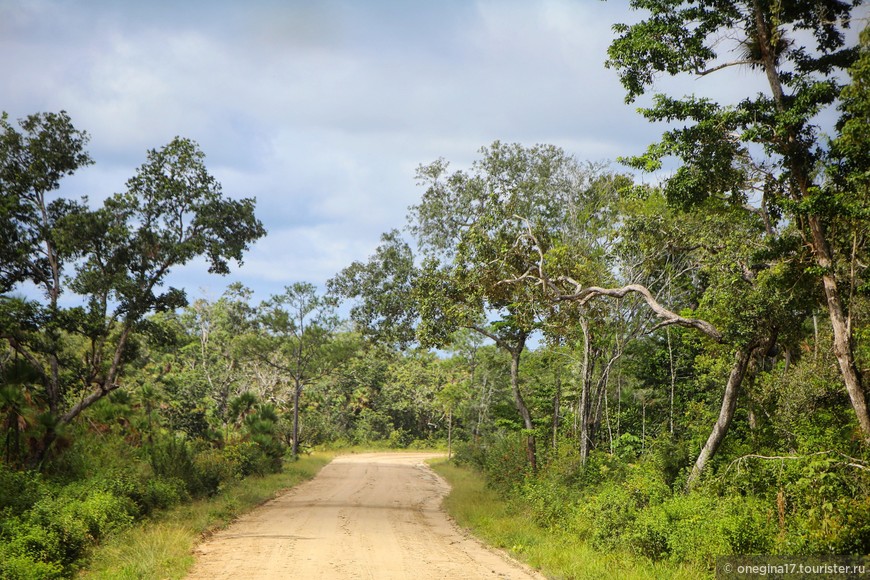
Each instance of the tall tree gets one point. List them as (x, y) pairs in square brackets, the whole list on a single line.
[(172, 212), (470, 226), (34, 248), (766, 147), (299, 325)]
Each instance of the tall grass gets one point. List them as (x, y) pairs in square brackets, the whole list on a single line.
[(161, 548), (556, 554)]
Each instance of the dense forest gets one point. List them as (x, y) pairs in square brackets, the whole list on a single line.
[(673, 367)]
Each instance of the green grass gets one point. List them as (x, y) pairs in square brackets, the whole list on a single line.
[(161, 548), (555, 554)]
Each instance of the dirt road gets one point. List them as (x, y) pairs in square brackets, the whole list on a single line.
[(374, 515)]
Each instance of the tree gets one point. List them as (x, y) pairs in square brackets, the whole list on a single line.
[(382, 287), (766, 147), (748, 293), (32, 163), (34, 248), (217, 354), (299, 326), (470, 227), (172, 212)]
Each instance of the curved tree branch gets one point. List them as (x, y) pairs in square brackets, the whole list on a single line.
[(583, 295)]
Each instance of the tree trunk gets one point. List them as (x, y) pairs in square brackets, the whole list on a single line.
[(842, 333), (583, 406), (449, 433), (482, 413), (794, 151), (297, 391), (557, 400), (726, 414), (531, 450)]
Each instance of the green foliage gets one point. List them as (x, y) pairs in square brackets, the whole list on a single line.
[(506, 247), (32, 163), (56, 532), (202, 471), (506, 465), (470, 454), (19, 490), (299, 326), (172, 212), (249, 458), (627, 446), (398, 439), (158, 493), (696, 528), (384, 309), (371, 425)]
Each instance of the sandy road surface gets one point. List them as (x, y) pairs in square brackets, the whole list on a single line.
[(374, 515)]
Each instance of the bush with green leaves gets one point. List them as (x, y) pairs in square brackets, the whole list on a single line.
[(202, 468), (19, 490), (155, 493), (550, 503), (506, 466), (371, 425), (248, 458), (828, 507), (605, 515), (18, 566), (471, 454), (211, 469), (55, 533), (399, 439), (262, 426)]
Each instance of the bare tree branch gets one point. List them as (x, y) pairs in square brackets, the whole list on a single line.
[(850, 461), (702, 73), (583, 295)]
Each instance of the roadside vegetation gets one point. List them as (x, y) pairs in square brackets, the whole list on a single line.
[(162, 545), (512, 525), (673, 369)]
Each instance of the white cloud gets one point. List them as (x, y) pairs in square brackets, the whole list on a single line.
[(321, 110)]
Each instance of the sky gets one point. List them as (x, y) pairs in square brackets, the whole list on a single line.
[(321, 109)]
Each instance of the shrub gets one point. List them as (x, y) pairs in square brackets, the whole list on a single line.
[(19, 490), (159, 493), (429, 443), (671, 458), (24, 567), (53, 536), (202, 470), (601, 467), (172, 458), (549, 502), (565, 465), (371, 425), (696, 528), (609, 513), (506, 465), (627, 446), (211, 469), (615, 506), (247, 458), (101, 512), (470, 453), (399, 438)]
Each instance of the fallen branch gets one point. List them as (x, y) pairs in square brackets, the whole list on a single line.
[(851, 461)]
